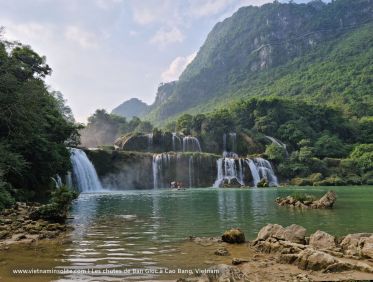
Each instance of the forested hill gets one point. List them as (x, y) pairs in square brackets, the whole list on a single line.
[(131, 108), (318, 52)]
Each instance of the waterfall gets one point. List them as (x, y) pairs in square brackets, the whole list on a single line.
[(278, 143), (150, 141), (254, 171), (84, 172), (233, 139), (265, 170), (161, 162), (174, 138), (240, 170), (191, 144), (229, 151), (157, 166), (227, 171), (224, 142), (191, 172), (57, 181)]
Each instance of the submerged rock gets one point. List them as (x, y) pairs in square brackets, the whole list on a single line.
[(262, 183), (233, 236), (222, 252)]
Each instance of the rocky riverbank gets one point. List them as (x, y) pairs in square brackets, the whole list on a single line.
[(19, 224), (287, 254)]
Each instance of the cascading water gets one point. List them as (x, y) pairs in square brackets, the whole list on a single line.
[(161, 162), (84, 172), (231, 166), (175, 139), (265, 170), (157, 166), (278, 143), (254, 171), (227, 171), (191, 144), (57, 181), (150, 141), (191, 171), (230, 149), (233, 139)]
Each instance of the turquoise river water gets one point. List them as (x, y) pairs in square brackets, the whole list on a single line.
[(127, 230)]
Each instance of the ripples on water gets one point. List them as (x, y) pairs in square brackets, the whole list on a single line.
[(144, 229)]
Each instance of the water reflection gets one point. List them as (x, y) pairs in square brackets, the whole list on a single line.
[(137, 229)]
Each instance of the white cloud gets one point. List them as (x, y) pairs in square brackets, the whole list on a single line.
[(83, 38), (209, 7), (155, 11), (107, 4), (26, 31), (176, 67), (133, 32), (165, 36)]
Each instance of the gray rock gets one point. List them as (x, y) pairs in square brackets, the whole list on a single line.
[(295, 234), (311, 259), (367, 249), (237, 261), (222, 252), (352, 243), (322, 240), (269, 231), (326, 201)]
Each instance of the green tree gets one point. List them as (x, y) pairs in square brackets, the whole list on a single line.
[(328, 145)]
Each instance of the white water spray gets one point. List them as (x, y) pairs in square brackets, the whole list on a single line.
[(84, 172)]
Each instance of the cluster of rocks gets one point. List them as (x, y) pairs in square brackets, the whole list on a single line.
[(16, 225), (320, 252), (325, 202)]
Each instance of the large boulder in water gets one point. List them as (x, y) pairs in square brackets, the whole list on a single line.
[(232, 183), (326, 201), (233, 236)]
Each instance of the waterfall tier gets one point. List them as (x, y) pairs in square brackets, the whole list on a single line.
[(188, 170), (84, 173), (232, 172), (191, 144), (278, 143)]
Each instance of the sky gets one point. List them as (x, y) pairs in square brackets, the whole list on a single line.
[(104, 52)]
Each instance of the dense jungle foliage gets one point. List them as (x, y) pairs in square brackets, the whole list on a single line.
[(35, 126)]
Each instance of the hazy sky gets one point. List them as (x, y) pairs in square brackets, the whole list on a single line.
[(104, 52)]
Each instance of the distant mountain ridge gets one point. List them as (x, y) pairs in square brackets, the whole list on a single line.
[(131, 108), (317, 52)]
